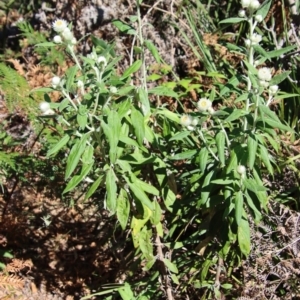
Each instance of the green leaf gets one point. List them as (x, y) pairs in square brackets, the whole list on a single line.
[(143, 98), (145, 243), (239, 201), (279, 78), (124, 108), (251, 185), (252, 148), (87, 157), (139, 194), (206, 187), (59, 145), (237, 113), (279, 52), (157, 213), (146, 187), (112, 130), (232, 20), (123, 27), (244, 237), (264, 155), (123, 208), (252, 206), (169, 198), (220, 140), (180, 136), (45, 44), (70, 74), (203, 159), (75, 154), (278, 125), (78, 178), (170, 115), (137, 120), (163, 91), (132, 69), (111, 187), (151, 47), (93, 187), (223, 181), (264, 9), (184, 155), (171, 266)]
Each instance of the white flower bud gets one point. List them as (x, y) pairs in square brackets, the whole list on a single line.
[(102, 60), (210, 110), (273, 89), (49, 112), (254, 4), (195, 122), (113, 90), (55, 81), (245, 3), (73, 41), (92, 56), (263, 83), (57, 39), (242, 13), (264, 74), (258, 18), (80, 84), (67, 34), (247, 43), (241, 170), (44, 106)]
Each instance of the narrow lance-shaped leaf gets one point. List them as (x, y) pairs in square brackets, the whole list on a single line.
[(244, 237), (264, 155), (111, 187), (59, 145), (239, 201), (78, 178), (203, 157), (220, 140), (75, 155), (123, 208), (252, 148), (137, 120), (114, 124), (132, 69)]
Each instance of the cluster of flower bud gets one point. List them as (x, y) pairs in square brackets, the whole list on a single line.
[(64, 33)]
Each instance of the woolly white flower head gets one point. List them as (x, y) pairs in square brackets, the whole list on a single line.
[(264, 74), (186, 120), (67, 35), (59, 25), (204, 104), (255, 38)]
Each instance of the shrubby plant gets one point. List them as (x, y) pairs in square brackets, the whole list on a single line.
[(186, 185)]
